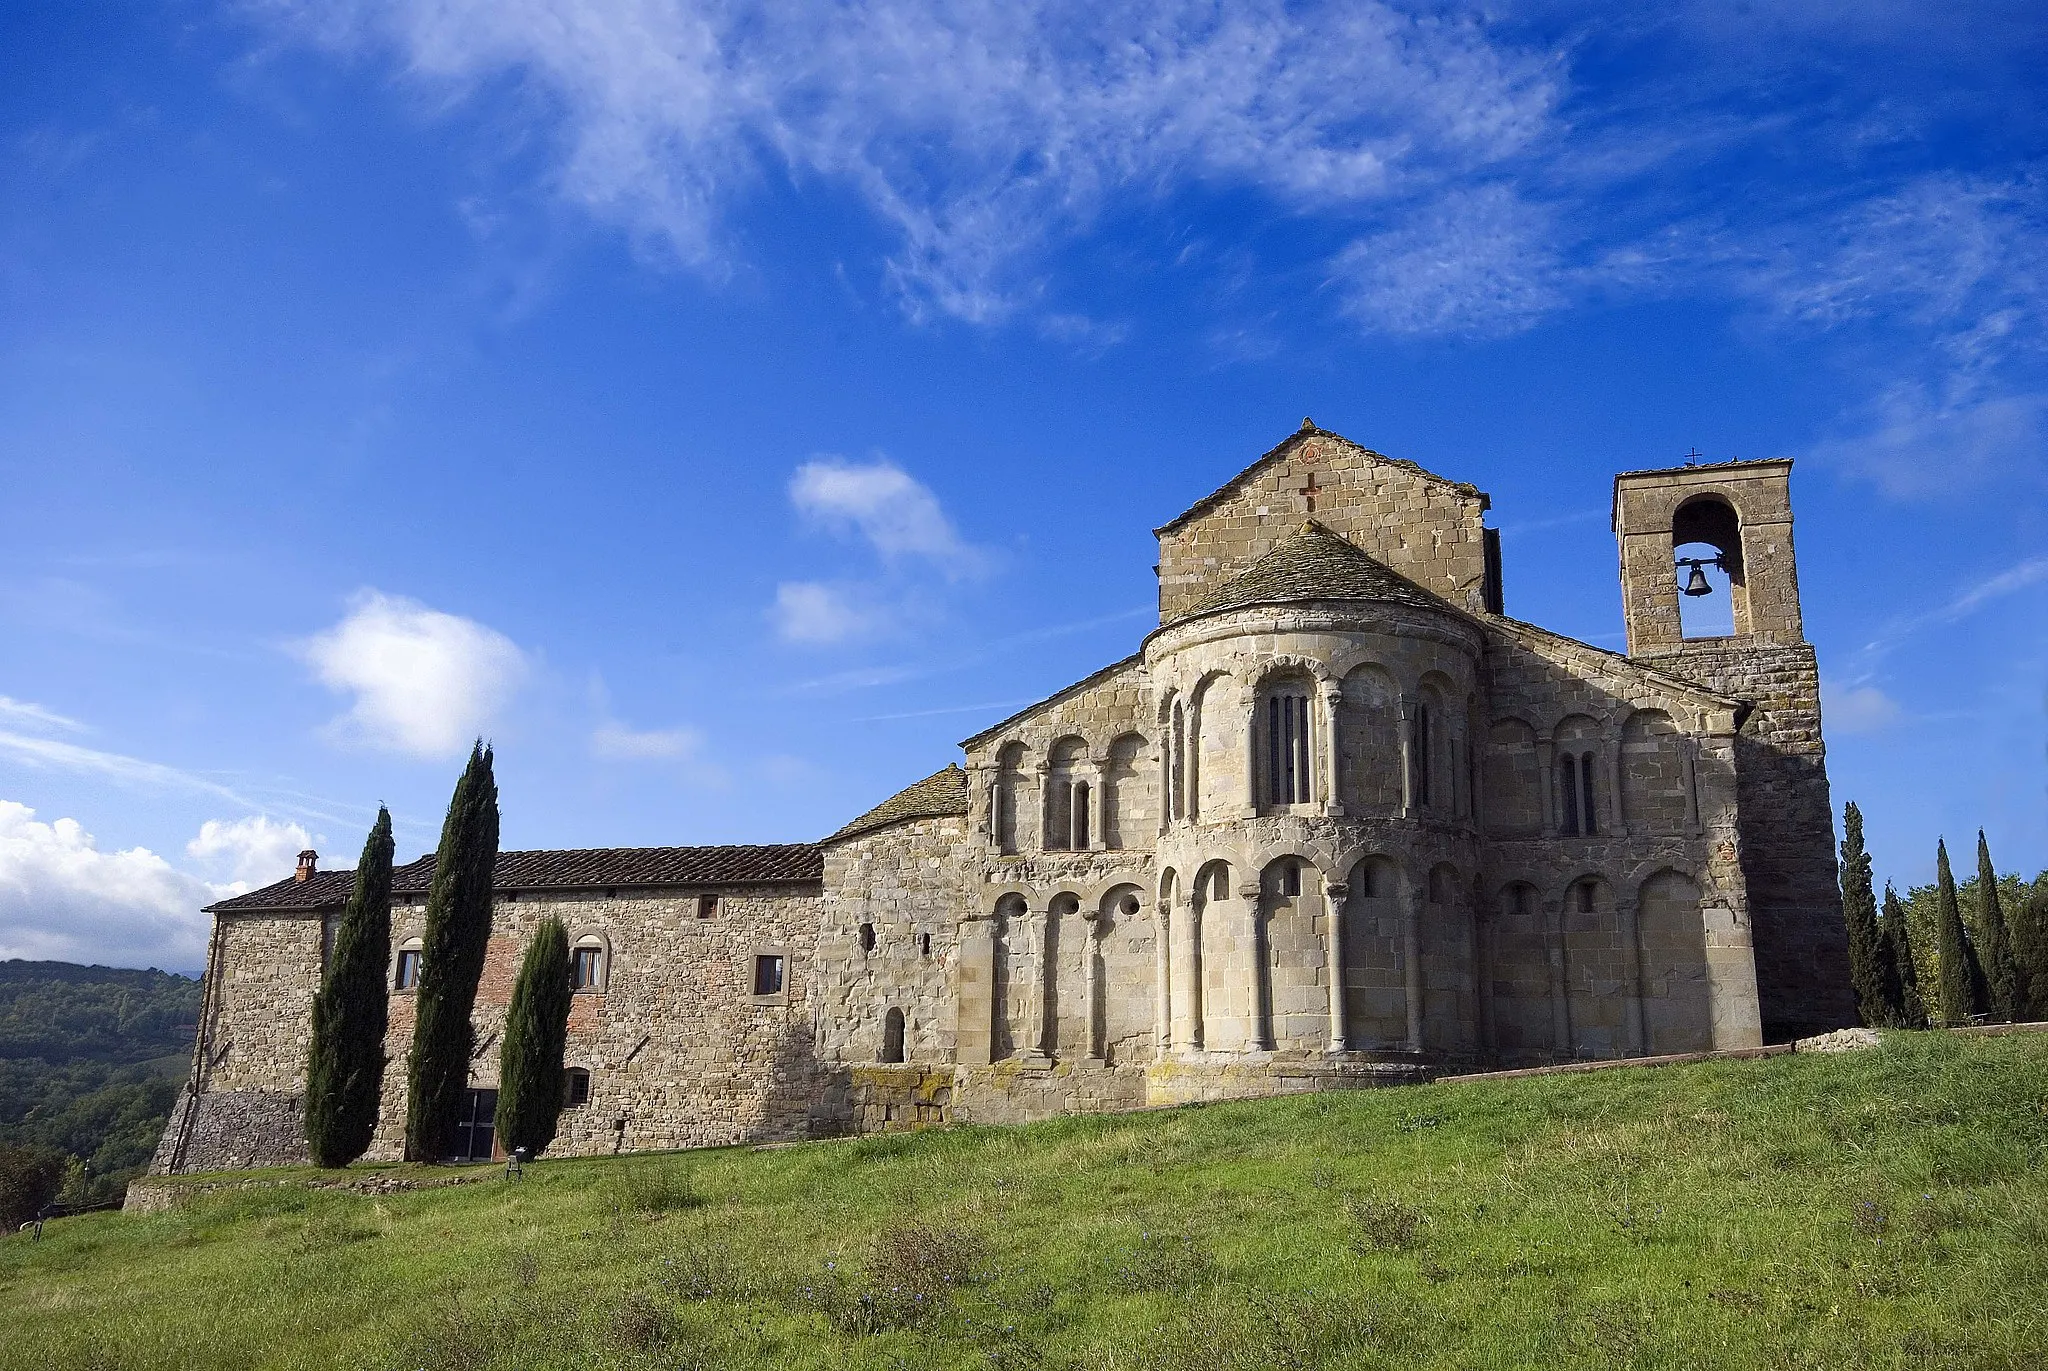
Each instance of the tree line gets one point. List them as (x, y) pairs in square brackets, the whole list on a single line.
[(1945, 955), (346, 1062)]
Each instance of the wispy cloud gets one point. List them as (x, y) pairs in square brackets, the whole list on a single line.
[(26, 715), (616, 742), (62, 756), (2021, 576), (978, 133), (1478, 262)]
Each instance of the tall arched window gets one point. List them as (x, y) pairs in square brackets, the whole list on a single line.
[(1007, 802), (1419, 754), (1288, 778), (1177, 765), (1576, 813)]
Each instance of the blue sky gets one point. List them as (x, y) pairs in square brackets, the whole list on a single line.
[(727, 409)]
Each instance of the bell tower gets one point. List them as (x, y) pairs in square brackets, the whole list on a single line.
[(1742, 513), (1743, 510)]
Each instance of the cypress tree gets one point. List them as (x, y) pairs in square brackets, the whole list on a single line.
[(1904, 980), (1955, 1002), (536, 1032), (2000, 974), (2030, 951), (345, 1067), (452, 961), (1859, 910)]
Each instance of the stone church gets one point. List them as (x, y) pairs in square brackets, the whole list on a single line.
[(1337, 821)]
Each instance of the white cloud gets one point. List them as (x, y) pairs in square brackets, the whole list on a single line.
[(615, 742), (817, 613), (251, 852), (1472, 262), (62, 898), (28, 715), (893, 510), (425, 683), (1858, 709), (979, 132)]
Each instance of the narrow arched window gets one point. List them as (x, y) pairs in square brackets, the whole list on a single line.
[(867, 937), (892, 1036), (1418, 755), (1568, 793), (1287, 749), (924, 944), (1585, 901), (1079, 805), (1290, 879), (1586, 794), (1177, 765)]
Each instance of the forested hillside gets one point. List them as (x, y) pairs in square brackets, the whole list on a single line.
[(91, 1059)]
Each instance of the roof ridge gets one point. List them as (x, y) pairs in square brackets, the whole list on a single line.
[(940, 795), (1308, 430)]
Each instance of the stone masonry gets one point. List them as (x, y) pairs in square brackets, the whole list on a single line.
[(1338, 822)]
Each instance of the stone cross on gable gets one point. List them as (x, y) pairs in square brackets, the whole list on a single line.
[(1306, 484)]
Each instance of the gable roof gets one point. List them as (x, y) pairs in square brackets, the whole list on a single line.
[(590, 868), (1317, 563), (1286, 445), (942, 794)]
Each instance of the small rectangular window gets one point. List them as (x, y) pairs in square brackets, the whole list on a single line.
[(707, 905), (575, 1087), (1290, 879), (767, 975), (408, 977), (583, 967)]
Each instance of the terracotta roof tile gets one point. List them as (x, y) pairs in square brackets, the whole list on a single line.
[(939, 795), (571, 869)]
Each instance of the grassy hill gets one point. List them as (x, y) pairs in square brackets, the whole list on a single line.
[(90, 1062), (1886, 1208)]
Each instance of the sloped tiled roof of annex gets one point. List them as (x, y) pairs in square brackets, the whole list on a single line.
[(1315, 564), (942, 794), (1306, 431), (571, 869)]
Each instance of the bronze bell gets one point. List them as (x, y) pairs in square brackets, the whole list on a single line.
[(1696, 582)]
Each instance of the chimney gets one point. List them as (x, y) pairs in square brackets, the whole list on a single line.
[(309, 862)]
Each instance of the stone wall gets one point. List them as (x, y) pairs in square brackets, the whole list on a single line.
[(1423, 526), (910, 885), (1787, 830)]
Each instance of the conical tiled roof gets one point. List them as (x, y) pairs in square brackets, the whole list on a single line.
[(939, 795), (1315, 564)]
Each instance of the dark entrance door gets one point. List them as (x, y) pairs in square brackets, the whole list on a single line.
[(475, 1126)]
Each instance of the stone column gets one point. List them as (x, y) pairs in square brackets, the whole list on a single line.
[(1191, 761), (1097, 807), (1335, 897), (1731, 979), (1041, 822), (1546, 762), (1091, 1015), (1560, 993), (1637, 1041), (1189, 1035), (1405, 728), (1162, 977), (1039, 922), (1618, 822), (1252, 896), (1688, 764), (1332, 696), (1248, 711), (1411, 959)]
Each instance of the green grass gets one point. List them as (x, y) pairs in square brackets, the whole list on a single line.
[(1878, 1209)]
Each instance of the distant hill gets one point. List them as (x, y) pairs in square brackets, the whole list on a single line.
[(91, 1058)]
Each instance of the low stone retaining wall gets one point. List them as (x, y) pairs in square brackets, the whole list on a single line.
[(1010, 1092), (1193, 1082), (154, 1195)]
